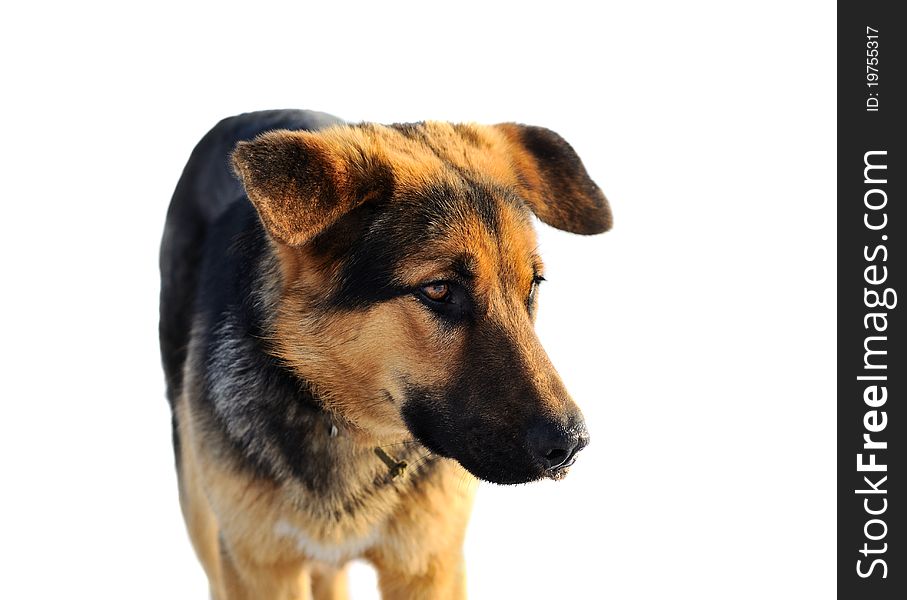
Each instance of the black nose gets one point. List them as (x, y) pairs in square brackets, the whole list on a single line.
[(554, 445)]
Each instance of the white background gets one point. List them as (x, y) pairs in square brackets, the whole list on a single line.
[(698, 336)]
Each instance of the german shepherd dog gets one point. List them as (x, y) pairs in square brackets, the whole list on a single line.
[(347, 333)]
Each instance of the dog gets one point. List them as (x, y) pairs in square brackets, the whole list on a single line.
[(346, 327)]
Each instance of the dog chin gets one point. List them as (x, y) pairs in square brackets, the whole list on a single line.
[(505, 474), (501, 466), (498, 473)]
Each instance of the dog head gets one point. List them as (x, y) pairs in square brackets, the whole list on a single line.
[(409, 280)]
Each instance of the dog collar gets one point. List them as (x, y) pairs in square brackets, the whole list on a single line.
[(396, 467)]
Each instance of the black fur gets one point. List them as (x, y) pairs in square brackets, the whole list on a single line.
[(206, 191), (262, 414)]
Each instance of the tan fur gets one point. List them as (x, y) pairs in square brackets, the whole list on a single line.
[(348, 162), (232, 526), (267, 538), (349, 357)]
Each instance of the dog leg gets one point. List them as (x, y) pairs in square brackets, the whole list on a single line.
[(246, 580), (329, 583), (201, 523), (443, 579), (202, 529), (421, 555), (230, 564)]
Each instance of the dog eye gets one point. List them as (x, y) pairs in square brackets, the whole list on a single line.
[(438, 291), (448, 300)]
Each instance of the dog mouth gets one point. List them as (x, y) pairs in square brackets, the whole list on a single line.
[(489, 466), (509, 465), (514, 471), (493, 464), (559, 472), (504, 456)]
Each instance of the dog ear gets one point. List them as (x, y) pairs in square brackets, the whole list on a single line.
[(301, 183), (554, 181)]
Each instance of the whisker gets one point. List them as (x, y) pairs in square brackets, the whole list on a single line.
[(422, 460), (465, 478), (396, 444)]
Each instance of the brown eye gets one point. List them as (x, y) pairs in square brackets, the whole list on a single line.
[(436, 292)]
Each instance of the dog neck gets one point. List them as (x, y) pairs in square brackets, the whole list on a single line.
[(280, 429)]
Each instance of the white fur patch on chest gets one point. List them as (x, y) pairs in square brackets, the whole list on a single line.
[(333, 553)]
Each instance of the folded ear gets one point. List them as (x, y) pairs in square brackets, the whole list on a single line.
[(554, 181), (301, 184)]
